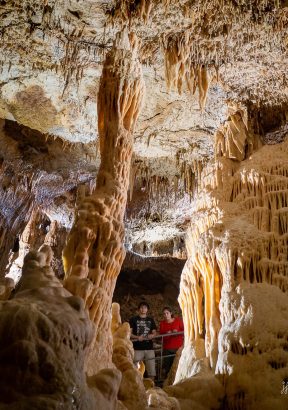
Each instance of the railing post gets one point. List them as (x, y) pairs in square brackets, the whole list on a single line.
[(161, 352), (161, 357)]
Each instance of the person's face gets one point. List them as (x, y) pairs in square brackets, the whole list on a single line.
[(143, 310), (167, 315)]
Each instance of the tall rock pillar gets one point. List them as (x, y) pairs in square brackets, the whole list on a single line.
[(95, 251)]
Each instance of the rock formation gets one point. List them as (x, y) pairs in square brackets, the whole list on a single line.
[(237, 268), (45, 332), (94, 252), (199, 179), (131, 392)]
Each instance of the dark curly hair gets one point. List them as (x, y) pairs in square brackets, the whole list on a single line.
[(143, 304)]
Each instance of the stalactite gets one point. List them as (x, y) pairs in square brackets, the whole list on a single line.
[(130, 10), (233, 139), (180, 67), (190, 171), (94, 252)]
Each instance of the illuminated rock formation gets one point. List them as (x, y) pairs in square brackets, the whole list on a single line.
[(95, 251), (16, 207), (237, 268), (45, 334), (132, 392), (33, 172)]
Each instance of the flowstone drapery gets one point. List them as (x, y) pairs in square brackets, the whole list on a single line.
[(94, 252), (234, 284)]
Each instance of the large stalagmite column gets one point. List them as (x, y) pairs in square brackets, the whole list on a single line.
[(94, 251)]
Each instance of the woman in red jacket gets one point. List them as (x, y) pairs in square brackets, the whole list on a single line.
[(171, 344)]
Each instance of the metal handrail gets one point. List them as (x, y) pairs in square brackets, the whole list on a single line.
[(169, 334), (161, 350)]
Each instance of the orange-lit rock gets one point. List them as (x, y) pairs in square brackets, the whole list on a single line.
[(95, 251)]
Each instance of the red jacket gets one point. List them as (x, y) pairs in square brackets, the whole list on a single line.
[(172, 342)]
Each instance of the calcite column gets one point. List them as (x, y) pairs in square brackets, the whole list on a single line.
[(94, 251), (56, 238), (202, 276)]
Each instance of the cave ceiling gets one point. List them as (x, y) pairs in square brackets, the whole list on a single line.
[(51, 56)]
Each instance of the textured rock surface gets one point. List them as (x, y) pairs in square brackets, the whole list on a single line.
[(52, 57), (45, 333), (236, 273), (95, 250), (131, 392), (33, 173)]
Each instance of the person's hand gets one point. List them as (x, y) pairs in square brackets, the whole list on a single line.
[(174, 330), (140, 338), (150, 336), (169, 331)]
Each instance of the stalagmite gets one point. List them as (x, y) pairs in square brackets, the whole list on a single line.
[(14, 216), (94, 251), (132, 392), (30, 239), (45, 335)]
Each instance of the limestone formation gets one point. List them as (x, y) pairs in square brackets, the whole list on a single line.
[(237, 268), (32, 174), (45, 334), (94, 252), (131, 392)]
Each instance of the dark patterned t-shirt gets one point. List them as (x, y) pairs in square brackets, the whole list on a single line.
[(142, 326)]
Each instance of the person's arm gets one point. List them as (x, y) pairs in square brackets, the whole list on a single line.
[(135, 337), (153, 330), (152, 335)]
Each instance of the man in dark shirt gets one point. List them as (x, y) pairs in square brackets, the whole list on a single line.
[(143, 329)]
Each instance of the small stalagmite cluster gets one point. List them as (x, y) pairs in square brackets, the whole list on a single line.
[(132, 391)]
